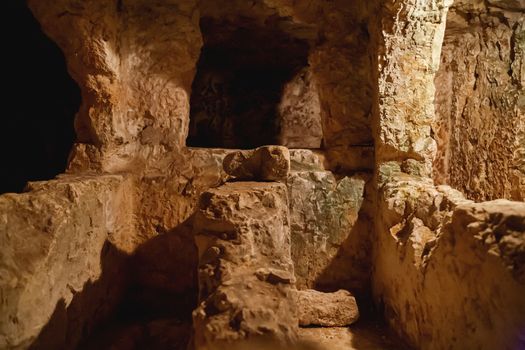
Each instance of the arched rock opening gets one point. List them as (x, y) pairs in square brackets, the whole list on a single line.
[(251, 76)]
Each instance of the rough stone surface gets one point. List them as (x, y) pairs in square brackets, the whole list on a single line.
[(409, 47), (267, 163), (447, 272), (135, 108), (480, 121), (435, 262), (61, 262), (327, 233), (302, 159), (300, 113), (245, 269), (337, 309)]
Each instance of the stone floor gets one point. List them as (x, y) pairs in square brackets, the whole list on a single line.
[(173, 334), (358, 337)]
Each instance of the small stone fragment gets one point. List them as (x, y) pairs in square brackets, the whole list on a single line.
[(266, 163), (274, 276), (336, 309)]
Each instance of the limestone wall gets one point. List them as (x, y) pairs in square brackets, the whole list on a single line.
[(409, 46), (434, 254), (64, 244), (448, 272), (480, 108)]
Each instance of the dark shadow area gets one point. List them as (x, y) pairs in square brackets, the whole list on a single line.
[(70, 324), (351, 267), (240, 77), (161, 293), (37, 126), (143, 301)]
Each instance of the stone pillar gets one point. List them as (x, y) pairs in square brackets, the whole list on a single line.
[(409, 48), (246, 283)]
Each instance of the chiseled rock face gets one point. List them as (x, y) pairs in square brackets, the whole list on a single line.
[(500, 227), (136, 84), (266, 163), (337, 309), (409, 47), (300, 113), (480, 106), (450, 272), (305, 159), (61, 262), (245, 270), (326, 235)]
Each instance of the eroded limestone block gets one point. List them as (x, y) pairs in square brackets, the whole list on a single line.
[(264, 163), (323, 213), (305, 159), (459, 263), (62, 259), (500, 226), (246, 289), (335, 309)]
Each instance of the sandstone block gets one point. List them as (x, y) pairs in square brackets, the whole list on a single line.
[(267, 163), (307, 160), (336, 309), (246, 290)]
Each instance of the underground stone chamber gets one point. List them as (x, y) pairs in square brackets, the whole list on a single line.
[(174, 225)]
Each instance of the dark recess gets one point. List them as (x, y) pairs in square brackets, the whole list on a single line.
[(240, 76), (37, 131)]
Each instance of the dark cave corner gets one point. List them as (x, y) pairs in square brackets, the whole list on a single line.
[(42, 100)]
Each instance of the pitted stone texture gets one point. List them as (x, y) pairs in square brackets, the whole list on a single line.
[(459, 263), (500, 226), (326, 234), (480, 109), (337, 309), (245, 270), (300, 113), (267, 163), (136, 84), (307, 160), (410, 38), (61, 259)]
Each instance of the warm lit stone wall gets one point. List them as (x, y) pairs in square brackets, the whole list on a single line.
[(449, 273), (480, 105), (409, 47), (374, 65), (62, 259), (135, 62)]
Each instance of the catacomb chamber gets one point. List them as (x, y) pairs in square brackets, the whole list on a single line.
[(159, 233)]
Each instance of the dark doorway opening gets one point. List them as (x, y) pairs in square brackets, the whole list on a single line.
[(37, 130), (241, 73)]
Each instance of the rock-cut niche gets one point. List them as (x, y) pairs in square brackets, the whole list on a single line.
[(252, 80)]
